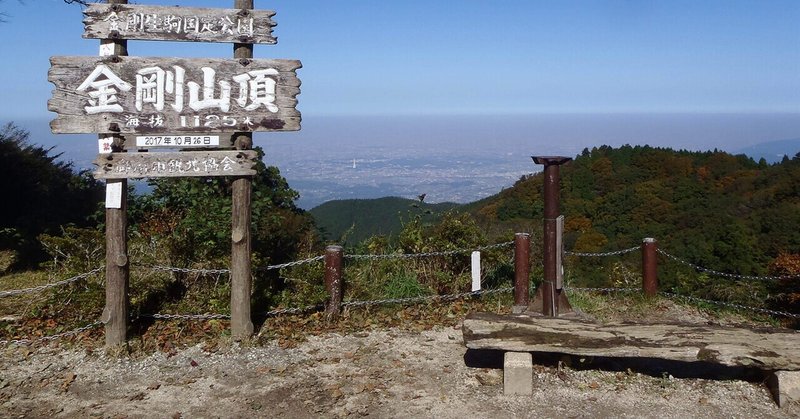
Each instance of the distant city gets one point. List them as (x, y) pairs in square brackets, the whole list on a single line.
[(466, 158), (442, 178)]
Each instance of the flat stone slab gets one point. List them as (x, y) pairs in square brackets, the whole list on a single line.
[(765, 348)]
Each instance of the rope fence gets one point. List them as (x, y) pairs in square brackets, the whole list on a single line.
[(354, 303), (428, 254), (40, 288), (25, 342), (404, 300), (725, 274), (731, 305), (605, 254)]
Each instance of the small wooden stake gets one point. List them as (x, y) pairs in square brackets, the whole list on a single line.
[(522, 268), (333, 279), (649, 267)]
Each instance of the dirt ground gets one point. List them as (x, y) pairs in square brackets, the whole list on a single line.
[(385, 373)]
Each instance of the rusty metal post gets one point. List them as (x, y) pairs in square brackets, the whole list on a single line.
[(522, 269), (649, 267), (333, 279), (551, 296)]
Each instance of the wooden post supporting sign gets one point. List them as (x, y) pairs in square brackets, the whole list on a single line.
[(241, 269), (115, 314)]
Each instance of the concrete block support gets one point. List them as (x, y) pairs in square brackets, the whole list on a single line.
[(785, 387), (518, 373)]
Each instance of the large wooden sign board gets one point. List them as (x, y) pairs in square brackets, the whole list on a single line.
[(196, 163), (159, 23), (181, 103), (149, 95)]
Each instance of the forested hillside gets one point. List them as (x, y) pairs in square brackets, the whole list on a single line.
[(718, 210), (351, 221)]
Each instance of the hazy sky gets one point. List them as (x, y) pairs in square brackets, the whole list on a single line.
[(366, 57)]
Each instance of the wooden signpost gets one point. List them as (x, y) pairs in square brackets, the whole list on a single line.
[(141, 103)]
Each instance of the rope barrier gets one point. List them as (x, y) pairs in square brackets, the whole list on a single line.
[(296, 310), (188, 270), (603, 289), (408, 300), (290, 264), (732, 305), (160, 316), (51, 337), (322, 257), (75, 278), (613, 253), (427, 254), (390, 301), (724, 274)]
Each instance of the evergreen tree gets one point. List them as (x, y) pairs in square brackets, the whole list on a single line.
[(41, 194)]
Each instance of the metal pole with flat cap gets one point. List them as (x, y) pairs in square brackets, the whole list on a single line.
[(550, 299)]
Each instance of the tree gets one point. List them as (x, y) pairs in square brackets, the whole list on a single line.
[(194, 216), (41, 193)]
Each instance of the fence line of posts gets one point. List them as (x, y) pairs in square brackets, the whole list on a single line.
[(335, 281)]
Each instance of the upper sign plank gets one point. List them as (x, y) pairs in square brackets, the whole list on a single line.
[(150, 95), (160, 23)]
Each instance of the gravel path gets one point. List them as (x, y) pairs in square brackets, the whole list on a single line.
[(388, 373)]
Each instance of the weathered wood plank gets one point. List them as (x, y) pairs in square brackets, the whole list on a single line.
[(177, 164), (174, 23), (768, 349), (152, 95)]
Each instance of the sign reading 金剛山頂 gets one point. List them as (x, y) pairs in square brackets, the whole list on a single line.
[(176, 164), (147, 95), (160, 23)]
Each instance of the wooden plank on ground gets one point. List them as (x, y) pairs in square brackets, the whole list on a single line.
[(158, 95), (173, 23), (768, 349), (177, 164)]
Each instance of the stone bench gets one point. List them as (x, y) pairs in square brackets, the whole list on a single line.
[(775, 351)]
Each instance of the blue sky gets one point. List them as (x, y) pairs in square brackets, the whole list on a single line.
[(472, 57)]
